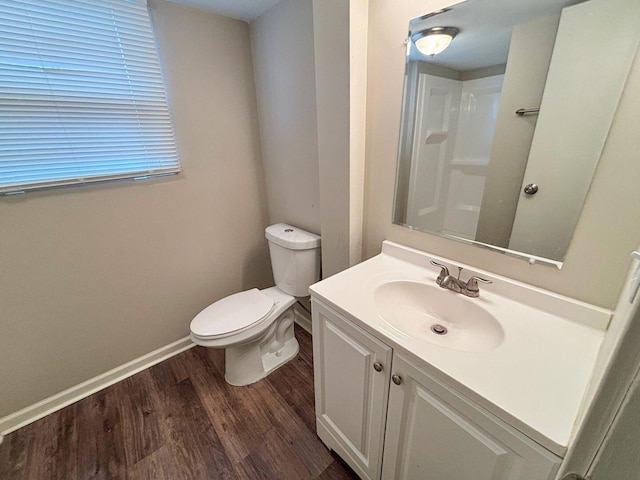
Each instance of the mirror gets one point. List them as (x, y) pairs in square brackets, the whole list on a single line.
[(502, 131)]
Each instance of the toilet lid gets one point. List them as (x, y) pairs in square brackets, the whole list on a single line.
[(232, 313)]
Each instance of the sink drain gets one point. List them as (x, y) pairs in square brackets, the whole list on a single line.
[(439, 329)]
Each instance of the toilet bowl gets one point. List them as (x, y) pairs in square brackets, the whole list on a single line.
[(255, 327)]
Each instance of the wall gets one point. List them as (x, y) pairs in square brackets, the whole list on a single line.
[(523, 85), (312, 114), (96, 276), (340, 32), (286, 93), (618, 328), (614, 390), (483, 72), (598, 256), (618, 457), (358, 29), (331, 42)]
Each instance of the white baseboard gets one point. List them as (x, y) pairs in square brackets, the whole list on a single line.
[(71, 395), (302, 318)]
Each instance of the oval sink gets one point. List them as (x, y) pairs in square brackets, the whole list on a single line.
[(439, 316)]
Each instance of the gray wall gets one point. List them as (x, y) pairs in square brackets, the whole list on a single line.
[(94, 277), (608, 229), (283, 59)]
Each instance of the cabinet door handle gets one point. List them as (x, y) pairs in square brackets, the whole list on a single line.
[(378, 367), (397, 379)]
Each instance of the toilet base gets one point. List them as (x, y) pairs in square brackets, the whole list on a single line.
[(246, 364)]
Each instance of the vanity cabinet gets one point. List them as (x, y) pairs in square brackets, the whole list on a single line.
[(428, 430), (351, 374), (433, 432)]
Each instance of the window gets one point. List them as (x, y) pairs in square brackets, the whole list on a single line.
[(81, 94)]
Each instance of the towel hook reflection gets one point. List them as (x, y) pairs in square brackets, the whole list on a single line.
[(527, 111)]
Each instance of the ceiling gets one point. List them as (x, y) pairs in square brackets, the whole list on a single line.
[(246, 10), (485, 30)]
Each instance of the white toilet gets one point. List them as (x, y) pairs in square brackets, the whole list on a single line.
[(255, 327)]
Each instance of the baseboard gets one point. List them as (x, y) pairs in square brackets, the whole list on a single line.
[(71, 395), (302, 318)]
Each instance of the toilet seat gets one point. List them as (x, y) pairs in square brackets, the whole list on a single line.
[(233, 314)]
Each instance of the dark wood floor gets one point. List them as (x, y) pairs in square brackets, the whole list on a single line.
[(181, 420)]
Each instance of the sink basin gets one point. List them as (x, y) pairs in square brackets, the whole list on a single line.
[(439, 316)]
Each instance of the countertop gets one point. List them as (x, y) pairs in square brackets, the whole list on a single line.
[(535, 380)]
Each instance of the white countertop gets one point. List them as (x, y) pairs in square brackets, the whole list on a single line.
[(535, 380)]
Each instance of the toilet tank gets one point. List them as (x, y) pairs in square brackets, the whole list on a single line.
[(295, 258)]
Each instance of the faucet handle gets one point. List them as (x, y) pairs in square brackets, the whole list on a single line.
[(443, 273), (472, 283)]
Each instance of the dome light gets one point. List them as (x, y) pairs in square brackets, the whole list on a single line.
[(434, 40)]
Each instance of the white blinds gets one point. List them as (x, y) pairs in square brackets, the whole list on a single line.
[(81, 94)]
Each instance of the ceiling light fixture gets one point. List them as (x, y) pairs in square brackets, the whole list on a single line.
[(434, 40)]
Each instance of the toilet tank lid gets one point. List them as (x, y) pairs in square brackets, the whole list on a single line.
[(291, 237)]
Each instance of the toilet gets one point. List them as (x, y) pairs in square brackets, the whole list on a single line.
[(255, 327)]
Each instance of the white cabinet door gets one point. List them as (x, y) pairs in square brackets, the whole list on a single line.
[(351, 395), (435, 434)]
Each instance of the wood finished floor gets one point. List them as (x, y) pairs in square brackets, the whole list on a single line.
[(180, 420)]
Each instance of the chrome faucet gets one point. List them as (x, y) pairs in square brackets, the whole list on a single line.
[(469, 288)]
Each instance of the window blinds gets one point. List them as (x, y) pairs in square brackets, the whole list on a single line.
[(81, 94)]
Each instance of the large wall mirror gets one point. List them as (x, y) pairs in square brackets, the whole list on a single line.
[(502, 131)]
